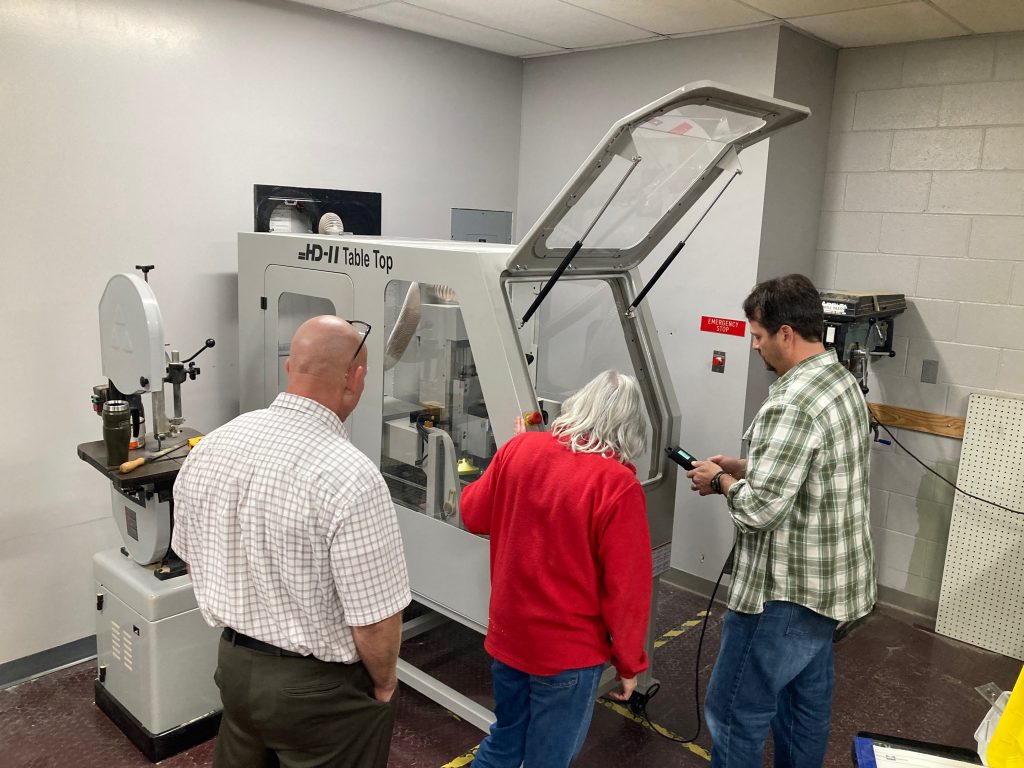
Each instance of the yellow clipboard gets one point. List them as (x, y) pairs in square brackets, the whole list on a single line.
[(1006, 749)]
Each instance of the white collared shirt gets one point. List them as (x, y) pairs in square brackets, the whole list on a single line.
[(289, 531)]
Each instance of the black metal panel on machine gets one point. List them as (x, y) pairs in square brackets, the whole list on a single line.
[(159, 474)]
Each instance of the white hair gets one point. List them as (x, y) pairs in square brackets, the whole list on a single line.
[(605, 416)]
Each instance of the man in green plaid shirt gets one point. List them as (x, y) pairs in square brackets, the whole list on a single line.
[(803, 558)]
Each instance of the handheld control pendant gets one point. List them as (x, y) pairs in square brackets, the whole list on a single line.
[(681, 457)]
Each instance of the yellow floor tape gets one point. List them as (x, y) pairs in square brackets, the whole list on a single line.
[(616, 707), (683, 628), (672, 634), (462, 760)]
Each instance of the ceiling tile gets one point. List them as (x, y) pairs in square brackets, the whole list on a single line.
[(338, 5), (878, 26), (987, 16), (675, 17), (787, 9), (549, 21), (438, 25)]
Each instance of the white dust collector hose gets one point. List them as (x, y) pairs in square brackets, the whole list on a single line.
[(405, 327), (330, 224)]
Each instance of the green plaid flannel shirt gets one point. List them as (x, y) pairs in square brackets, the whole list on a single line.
[(802, 511)]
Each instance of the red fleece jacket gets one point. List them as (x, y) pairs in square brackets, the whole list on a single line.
[(570, 557)]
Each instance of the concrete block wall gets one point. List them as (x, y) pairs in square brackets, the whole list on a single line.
[(924, 195)]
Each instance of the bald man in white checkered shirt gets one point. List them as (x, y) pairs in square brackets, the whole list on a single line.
[(293, 546)]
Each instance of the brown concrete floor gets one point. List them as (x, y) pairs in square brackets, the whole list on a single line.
[(891, 677)]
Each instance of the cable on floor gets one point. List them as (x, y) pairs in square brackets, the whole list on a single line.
[(638, 702)]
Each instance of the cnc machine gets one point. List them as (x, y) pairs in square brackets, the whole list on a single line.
[(468, 336)]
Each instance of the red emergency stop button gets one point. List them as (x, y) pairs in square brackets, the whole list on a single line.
[(532, 418), (718, 361)]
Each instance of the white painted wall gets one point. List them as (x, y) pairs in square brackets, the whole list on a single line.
[(568, 104), (804, 73), (925, 196), (132, 132)]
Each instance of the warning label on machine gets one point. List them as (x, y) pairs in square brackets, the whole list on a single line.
[(723, 325)]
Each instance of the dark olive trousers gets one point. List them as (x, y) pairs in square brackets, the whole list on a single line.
[(298, 713)]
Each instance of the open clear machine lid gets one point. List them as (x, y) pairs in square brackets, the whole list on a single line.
[(647, 172)]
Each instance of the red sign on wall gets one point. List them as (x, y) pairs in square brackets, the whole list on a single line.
[(723, 325)]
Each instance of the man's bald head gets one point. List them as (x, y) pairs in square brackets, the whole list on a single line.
[(323, 347), (321, 367)]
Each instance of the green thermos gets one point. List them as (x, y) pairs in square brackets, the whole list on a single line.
[(117, 431)]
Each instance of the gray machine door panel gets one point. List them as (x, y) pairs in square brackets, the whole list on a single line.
[(293, 296), (447, 566)]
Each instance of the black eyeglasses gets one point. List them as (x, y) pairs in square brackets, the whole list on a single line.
[(364, 331)]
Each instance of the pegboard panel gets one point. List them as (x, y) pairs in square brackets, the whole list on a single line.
[(982, 598)]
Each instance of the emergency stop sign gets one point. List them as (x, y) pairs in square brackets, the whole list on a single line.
[(723, 325)]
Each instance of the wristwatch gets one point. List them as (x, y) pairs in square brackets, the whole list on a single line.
[(716, 482)]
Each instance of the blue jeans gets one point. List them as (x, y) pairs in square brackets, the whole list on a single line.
[(774, 670), (542, 722)]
